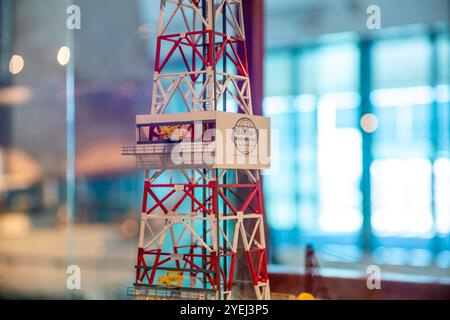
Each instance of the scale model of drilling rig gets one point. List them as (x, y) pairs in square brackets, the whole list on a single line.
[(202, 208)]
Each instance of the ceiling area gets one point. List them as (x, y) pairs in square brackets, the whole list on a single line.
[(295, 21)]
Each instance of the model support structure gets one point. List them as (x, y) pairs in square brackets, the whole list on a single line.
[(202, 207)]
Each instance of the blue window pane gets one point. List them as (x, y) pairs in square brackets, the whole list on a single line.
[(442, 198), (401, 172), (328, 69), (401, 63), (339, 164), (401, 197), (443, 50), (277, 69), (281, 212)]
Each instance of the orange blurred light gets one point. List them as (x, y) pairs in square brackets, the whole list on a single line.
[(14, 95)]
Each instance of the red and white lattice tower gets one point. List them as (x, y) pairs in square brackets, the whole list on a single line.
[(202, 206)]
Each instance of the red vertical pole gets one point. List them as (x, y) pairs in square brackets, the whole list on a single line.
[(254, 29), (144, 198), (213, 185)]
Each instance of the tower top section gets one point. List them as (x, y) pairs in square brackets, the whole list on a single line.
[(201, 58), (179, 16)]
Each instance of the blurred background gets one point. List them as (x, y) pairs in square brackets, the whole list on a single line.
[(364, 120)]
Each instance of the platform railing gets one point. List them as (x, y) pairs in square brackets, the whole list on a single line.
[(164, 148), (146, 292)]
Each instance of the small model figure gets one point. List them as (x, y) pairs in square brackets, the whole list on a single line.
[(171, 279)]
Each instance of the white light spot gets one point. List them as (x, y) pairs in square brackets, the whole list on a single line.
[(16, 64), (63, 55)]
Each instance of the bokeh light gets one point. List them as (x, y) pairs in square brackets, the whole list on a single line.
[(369, 122), (63, 55), (16, 64)]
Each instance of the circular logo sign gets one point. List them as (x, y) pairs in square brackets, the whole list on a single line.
[(245, 135)]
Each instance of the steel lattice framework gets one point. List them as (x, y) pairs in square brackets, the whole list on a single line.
[(199, 221)]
